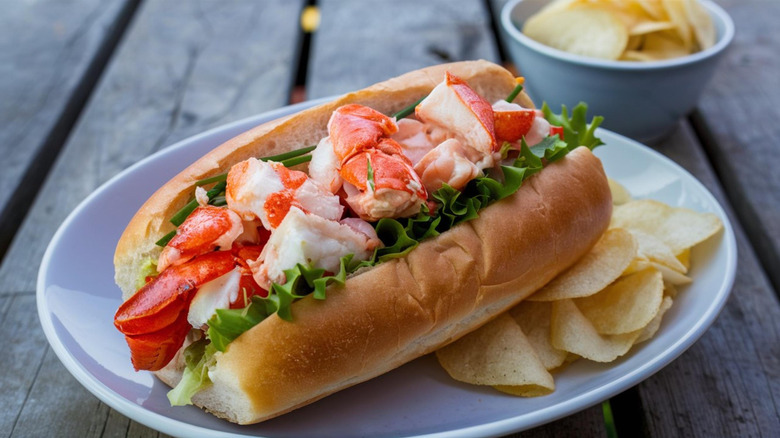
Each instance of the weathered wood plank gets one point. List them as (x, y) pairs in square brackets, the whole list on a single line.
[(589, 422), (57, 402), (741, 111), (183, 68), (727, 383), (50, 54), (24, 344), (360, 43)]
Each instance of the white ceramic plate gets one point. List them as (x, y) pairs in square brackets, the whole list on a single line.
[(77, 299)]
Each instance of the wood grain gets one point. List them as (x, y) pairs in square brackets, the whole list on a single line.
[(183, 68), (50, 54), (25, 346), (741, 111), (727, 383), (363, 42)]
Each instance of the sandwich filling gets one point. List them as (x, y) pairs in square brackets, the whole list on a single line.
[(265, 235)]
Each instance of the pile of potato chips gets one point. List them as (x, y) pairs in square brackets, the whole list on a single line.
[(627, 30), (610, 300)]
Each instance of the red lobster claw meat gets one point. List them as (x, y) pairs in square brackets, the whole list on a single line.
[(390, 172), (360, 134), (205, 229), (152, 351), (157, 310), (355, 128), (454, 106), (512, 125)]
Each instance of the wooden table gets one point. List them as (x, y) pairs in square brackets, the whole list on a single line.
[(89, 87)]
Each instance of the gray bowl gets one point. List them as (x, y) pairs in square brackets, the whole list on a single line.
[(643, 100)]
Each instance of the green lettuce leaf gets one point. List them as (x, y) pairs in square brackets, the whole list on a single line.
[(576, 130), (148, 269), (198, 356), (399, 236), (228, 324)]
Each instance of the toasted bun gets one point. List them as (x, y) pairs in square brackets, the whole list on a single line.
[(399, 310), (136, 245)]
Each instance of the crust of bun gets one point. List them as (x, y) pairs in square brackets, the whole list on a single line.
[(397, 311), (136, 245)]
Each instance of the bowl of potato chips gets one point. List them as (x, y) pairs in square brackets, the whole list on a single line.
[(642, 64)]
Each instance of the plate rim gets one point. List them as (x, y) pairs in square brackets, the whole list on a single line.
[(526, 421)]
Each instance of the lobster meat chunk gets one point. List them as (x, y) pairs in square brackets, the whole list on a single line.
[(157, 310), (204, 230)]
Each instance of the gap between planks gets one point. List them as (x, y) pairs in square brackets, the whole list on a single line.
[(33, 178)]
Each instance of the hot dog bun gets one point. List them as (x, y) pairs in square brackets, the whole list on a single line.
[(399, 310), (136, 245)]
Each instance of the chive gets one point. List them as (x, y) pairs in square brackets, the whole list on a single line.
[(406, 112), (291, 154), (165, 239), (370, 174), (218, 201), (185, 211), (213, 179), (217, 189), (609, 421), (514, 93), (287, 159), (296, 160)]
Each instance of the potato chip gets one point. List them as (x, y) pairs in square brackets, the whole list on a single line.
[(678, 228), (496, 354), (534, 320), (629, 12), (670, 290), (638, 264), (656, 251), (590, 27), (634, 43), (664, 45), (594, 271), (652, 328), (580, 29), (701, 23), (671, 276), (676, 13), (636, 55), (685, 258), (525, 390), (627, 305), (573, 332), (652, 8), (645, 27), (619, 193)]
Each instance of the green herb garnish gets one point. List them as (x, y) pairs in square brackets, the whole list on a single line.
[(515, 92), (185, 211), (406, 112), (165, 239), (576, 130), (370, 174), (198, 356), (399, 236), (288, 155)]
